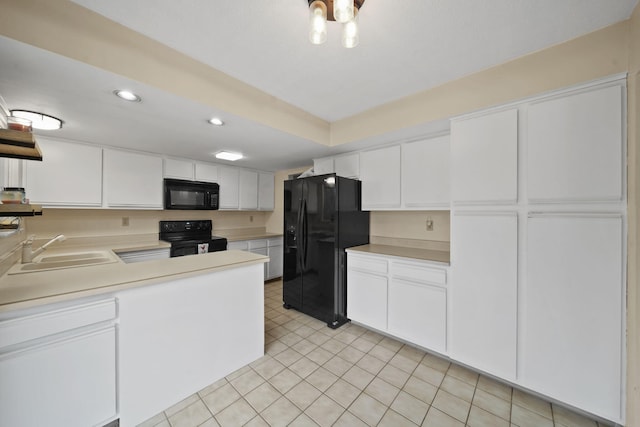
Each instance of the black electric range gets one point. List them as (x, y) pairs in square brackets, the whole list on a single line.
[(191, 237)]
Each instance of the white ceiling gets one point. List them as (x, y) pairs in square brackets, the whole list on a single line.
[(406, 46)]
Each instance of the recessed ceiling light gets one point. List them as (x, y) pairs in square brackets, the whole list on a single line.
[(225, 155), (127, 95), (39, 120), (216, 121)]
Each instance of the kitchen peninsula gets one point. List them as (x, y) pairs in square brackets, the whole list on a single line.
[(122, 340)]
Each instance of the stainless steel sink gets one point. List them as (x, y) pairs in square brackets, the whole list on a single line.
[(68, 260)]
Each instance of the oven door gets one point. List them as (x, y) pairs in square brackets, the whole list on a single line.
[(183, 248)]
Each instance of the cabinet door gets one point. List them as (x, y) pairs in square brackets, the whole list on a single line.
[(418, 313), (425, 173), (380, 176), (248, 190), (266, 191), (367, 299), (67, 382), (484, 158), (206, 172), (484, 267), (574, 148), (70, 175), (229, 180), (132, 180), (275, 263), (573, 311), (323, 166), (178, 169), (347, 165)]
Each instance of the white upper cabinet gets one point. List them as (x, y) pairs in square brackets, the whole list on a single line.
[(484, 277), (266, 191), (484, 158), (323, 166), (229, 180), (380, 175), (248, 190), (572, 316), (69, 175), (575, 147), (347, 165), (178, 169), (425, 173), (206, 172), (132, 180)]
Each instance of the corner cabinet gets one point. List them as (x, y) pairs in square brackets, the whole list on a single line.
[(266, 191), (71, 175), (403, 297), (271, 247), (132, 180)]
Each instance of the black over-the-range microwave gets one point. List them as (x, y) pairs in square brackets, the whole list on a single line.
[(188, 195)]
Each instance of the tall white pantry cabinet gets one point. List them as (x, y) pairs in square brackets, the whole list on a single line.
[(538, 244)]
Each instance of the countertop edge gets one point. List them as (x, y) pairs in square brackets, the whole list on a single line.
[(403, 252)]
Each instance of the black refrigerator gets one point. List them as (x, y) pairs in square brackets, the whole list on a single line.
[(322, 217)]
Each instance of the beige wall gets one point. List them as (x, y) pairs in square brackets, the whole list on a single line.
[(633, 279), (97, 222), (410, 225)]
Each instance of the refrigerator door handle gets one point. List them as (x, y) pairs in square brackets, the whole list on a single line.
[(305, 232), (298, 235)]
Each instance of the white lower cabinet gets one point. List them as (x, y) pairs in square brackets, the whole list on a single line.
[(573, 305), (367, 298), (406, 298), (484, 260), (58, 366), (417, 308), (271, 247)]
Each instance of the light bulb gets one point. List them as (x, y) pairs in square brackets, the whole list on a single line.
[(343, 10), (318, 22), (351, 33)]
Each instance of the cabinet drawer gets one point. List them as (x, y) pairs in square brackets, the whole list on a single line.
[(419, 273), (275, 241), (241, 245), (370, 265), (22, 329), (257, 244)]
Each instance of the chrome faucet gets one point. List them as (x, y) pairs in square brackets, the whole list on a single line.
[(28, 254)]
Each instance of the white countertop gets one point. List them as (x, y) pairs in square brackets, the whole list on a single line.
[(36, 288), (440, 257)]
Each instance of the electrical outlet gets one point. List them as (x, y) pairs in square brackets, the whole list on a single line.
[(250, 218), (429, 224), (125, 221)]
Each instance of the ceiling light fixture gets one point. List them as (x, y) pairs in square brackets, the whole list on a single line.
[(342, 11), (216, 121), (39, 120), (226, 155), (127, 95)]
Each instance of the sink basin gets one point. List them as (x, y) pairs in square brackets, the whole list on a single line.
[(69, 260)]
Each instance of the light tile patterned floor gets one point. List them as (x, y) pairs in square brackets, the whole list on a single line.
[(315, 376)]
